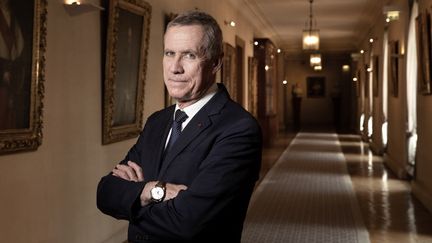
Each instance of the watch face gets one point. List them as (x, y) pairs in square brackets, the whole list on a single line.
[(157, 193)]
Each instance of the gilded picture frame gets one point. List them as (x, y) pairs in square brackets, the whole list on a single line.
[(229, 78), (394, 67), (376, 76), (253, 86), (22, 67), (423, 36), (125, 69), (316, 87)]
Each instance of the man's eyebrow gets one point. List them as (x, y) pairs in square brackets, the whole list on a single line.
[(190, 51)]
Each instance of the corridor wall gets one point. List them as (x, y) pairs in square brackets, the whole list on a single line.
[(49, 195), (396, 154), (422, 183)]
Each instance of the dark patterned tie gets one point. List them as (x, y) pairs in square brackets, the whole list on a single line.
[(179, 118)]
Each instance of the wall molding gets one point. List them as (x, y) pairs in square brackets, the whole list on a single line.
[(422, 194), (400, 172)]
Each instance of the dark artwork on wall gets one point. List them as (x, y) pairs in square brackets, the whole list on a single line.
[(376, 76), (316, 87), (229, 77), (423, 36), (366, 81), (22, 75), (126, 62), (394, 67)]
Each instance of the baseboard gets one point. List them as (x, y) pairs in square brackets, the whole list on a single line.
[(376, 149), (400, 172), (424, 196)]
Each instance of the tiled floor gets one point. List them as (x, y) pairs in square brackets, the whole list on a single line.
[(389, 210)]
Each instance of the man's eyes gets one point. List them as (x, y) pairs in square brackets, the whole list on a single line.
[(190, 55), (187, 55), (169, 53)]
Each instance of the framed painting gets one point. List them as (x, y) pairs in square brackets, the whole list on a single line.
[(125, 69), (229, 70), (366, 80), (253, 86), (394, 67), (423, 36), (358, 83), (375, 80), (316, 87), (22, 67)]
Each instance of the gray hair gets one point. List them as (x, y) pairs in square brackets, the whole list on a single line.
[(212, 42)]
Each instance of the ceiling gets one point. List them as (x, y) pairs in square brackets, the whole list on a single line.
[(343, 24)]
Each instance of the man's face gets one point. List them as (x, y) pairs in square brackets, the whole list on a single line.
[(187, 72)]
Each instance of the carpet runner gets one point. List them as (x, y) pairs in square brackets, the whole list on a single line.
[(306, 197)]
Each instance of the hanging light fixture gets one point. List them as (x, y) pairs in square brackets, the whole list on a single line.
[(311, 35), (315, 59)]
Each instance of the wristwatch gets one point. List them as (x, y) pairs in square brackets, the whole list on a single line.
[(157, 193)]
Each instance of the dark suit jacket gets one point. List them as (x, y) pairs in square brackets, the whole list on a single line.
[(217, 156)]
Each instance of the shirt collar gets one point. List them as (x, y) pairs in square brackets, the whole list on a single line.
[(193, 109)]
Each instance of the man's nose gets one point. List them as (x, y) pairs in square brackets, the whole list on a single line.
[(176, 66)]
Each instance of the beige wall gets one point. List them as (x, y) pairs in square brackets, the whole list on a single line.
[(396, 153), (49, 195), (397, 106), (422, 185)]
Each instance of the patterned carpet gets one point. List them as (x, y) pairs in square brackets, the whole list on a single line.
[(306, 197)]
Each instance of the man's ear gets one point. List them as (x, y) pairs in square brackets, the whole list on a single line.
[(217, 64)]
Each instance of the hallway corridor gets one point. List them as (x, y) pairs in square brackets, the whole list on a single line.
[(328, 187)]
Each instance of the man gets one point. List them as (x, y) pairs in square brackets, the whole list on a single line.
[(196, 189)]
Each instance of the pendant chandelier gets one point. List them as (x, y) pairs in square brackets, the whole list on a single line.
[(311, 34)]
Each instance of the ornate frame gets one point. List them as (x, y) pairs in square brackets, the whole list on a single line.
[(423, 34), (22, 115), (253, 86), (376, 76), (229, 77), (123, 94), (394, 67), (316, 86)]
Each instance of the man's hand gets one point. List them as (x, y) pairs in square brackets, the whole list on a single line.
[(171, 191), (131, 172)]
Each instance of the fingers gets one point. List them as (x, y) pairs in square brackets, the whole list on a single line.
[(172, 190), (138, 170), (130, 172)]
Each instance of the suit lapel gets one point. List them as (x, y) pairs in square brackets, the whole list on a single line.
[(199, 123), (164, 126)]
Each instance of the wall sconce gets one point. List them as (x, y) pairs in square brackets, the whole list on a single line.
[(255, 43), (230, 23), (345, 68), (355, 79), (355, 56), (76, 7), (391, 12), (279, 50)]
